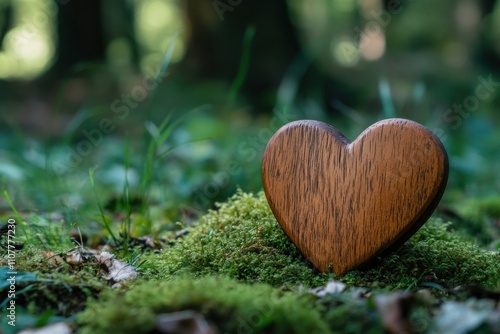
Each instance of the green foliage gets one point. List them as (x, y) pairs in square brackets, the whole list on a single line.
[(479, 209), (490, 207), (40, 231), (243, 240), (233, 307), (244, 64)]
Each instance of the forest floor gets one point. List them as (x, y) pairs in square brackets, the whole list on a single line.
[(233, 270)]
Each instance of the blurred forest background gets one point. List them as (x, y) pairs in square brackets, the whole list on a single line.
[(82, 85)]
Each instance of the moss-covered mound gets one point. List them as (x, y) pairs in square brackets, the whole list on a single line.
[(231, 306), (231, 263), (243, 240)]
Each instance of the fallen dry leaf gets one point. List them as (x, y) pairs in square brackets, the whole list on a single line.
[(112, 269), (51, 256), (74, 256), (115, 270)]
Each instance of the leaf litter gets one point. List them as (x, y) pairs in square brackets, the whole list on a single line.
[(113, 270)]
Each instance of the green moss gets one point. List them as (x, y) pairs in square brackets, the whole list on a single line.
[(30, 259), (231, 306), (59, 287), (52, 267), (243, 240), (433, 254)]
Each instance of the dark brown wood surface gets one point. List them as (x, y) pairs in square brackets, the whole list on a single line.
[(344, 203)]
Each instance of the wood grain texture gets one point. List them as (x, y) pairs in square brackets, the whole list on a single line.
[(344, 203)]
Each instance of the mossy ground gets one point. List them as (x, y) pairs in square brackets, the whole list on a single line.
[(237, 268), (47, 290), (56, 274), (242, 240), (233, 307)]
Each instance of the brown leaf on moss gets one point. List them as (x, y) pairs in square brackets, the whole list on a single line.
[(115, 270), (52, 257)]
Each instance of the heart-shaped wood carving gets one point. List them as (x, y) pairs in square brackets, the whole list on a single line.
[(341, 203)]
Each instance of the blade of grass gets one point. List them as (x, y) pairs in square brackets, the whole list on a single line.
[(243, 67), (168, 150), (126, 197), (16, 213), (50, 236), (146, 178), (101, 210), (161, 72), (158, 136), (164, 132), (289, 85), (168, 57)]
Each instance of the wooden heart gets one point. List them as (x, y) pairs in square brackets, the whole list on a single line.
[(341, 203)]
